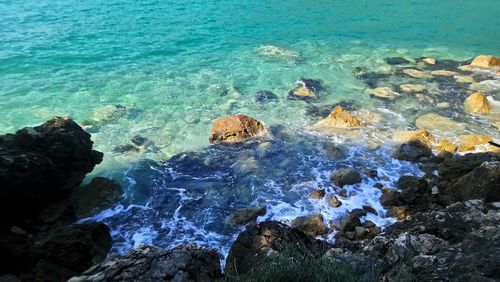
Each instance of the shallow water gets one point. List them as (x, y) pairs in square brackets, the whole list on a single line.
[(173, 67)]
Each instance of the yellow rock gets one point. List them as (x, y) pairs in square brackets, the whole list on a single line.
[(484, 61), (429, 61), (412, 87), (477, 103), (303, 91), (446, 146), (416, 73), (475, 139), (422, 136), (443, 73), (338, 118), (383, 92), (434, 121), (463, 79), (443, 105), (466, 147)]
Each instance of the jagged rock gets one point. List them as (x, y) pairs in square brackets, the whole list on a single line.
[(453, 168), (261, 240), (345, 176), (150, 263), (245, 215), (483, 61), (333, 201), (383, 92), (237, 128), (391, 197), (416, 73), (306, 89), (41, 165), (477, 103), (434, 121), (422, 136), (310, 224), (264, 96), (338, 118), (481, 183)]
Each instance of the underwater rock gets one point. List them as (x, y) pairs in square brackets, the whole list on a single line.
[(338, 118), (421, 136), (310, 224), (433, 121), (149, 263), (306, 89), (409, 88), (237, 128), (41, 165), (477, 103), (125, 148), (384, 93), (396, 61), (259, 241), (483, 61), (245, 215), (443, 105), (443, 73), (417, 73), (370, 78), (429, 61), (265, 96), (345, 176), (464, 79)]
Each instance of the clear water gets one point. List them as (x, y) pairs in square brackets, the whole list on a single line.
[(176, 66)]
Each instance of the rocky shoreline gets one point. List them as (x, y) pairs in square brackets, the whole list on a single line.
[(449, 218)]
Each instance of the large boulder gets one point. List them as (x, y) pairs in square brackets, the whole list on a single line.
[(237, 128), (483, 61), (338, 118), (41, 165), (259, 241), (345, 176), (150, 263), (477, 103)]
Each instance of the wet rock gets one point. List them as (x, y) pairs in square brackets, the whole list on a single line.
[(391, 197), (237, 128), (338, 118), (351, 221), (447, 146), (369, 209), (421, 136), (150, 263), (483, 61), (412, 183), (383, 93), (139, 140), (332, 151), (333, 201), (245, 215), (470, 142), (264, 96), (345, 176), (317, 194), (40, 166), (477, 103), (101, 193), (396, 61), (412, 88), (306, 89), (458, 166), (443, 73), (416, 73), (261, 240), (413, 152), (434, 121), (310, 224)]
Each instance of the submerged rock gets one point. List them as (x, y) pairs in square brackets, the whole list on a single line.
[(429, 61), (383, 93), (333, 201), (416, 73), (237, 128), (477, 103), (410, 88), (443, 73), (245, 215), (306, 89), (483, 61), (317, 194), (338, 118), (396, 61), (345, 176), (310, 224), (41, 165), (264, 96), (433, 121), (150, 263)]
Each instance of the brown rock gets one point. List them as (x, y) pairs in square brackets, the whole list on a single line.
[(446, 146), (483, 61), (333, 201), (237, 128), (477, 103), (303, 92), (338, 118), (310, 224), (317, 194), (421, 136), (410, 87), (345, 176)]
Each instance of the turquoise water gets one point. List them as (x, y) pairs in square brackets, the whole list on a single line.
[(173, 67)]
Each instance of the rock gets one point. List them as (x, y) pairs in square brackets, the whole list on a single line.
[(350, 222), (434, 121), (483, 61), (40, 166), (453, 168), (345, 176), (101, 193), (443, 105), (311, 224), (237, 128), (477, 103), (412, 183), (333, 201), (384, 93), (396, 61), (443, 73), (338, 118), (414, 152), (466, 147), (264, 96), (125, 149), (429, 61), (306, 89), (260, 240), (464, 79), (391, 197), (475, 140), (412, 87), (369, 209), (245, 215), (417, 73), (446, 146), (420, 137), (317, 194), (150, 263)]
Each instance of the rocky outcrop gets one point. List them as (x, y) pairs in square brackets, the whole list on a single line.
[(483, 61), (41, 165), (261, 240), (237, 128), (338, 118), (149, 263), (477, 103), (345, 176)]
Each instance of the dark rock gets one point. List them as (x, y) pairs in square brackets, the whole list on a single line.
[(310, 224), (139, 140), (370, 209), (101, 193), (149, 263), (259, 241), (396, 61), (411, 153), (244, 216), (264, 96), (333, 151), (345, 176), (457, 166), (391, 197), (352, 220), (40, 166)]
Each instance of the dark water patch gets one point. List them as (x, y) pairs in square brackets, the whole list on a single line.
[(370, 78)]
